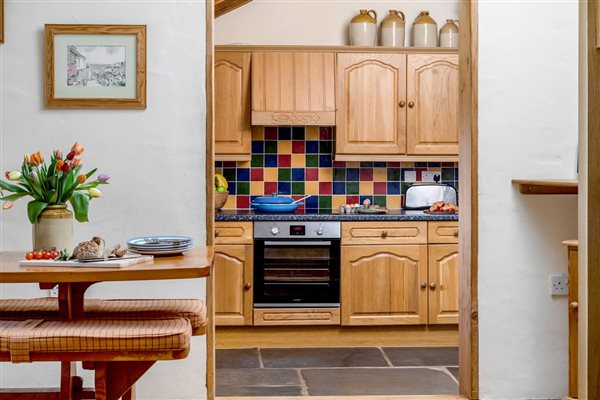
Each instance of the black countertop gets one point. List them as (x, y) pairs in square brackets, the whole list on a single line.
[(392, 215)]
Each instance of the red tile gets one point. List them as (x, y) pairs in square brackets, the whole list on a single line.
[(270, 188), (418, 174), (256, 174), (243, 201), (270, 133), (447, 164), (325, 133), (366, 174), (379, 187), (402, 199), (312, 174), (352, 199), (325, 187), (298, 147), (229, 164), (285, 160), (393, 165), (339, 164)]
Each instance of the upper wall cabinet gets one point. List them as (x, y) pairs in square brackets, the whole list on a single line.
[(371, 97), (293, 88), (232, 106), (432, 95)]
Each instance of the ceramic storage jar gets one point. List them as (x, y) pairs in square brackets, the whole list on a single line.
[(449, 34), (363, 29), (392, 29), (424, 31)]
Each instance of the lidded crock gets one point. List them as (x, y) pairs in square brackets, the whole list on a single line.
[(392, 29), (363, 29), (449, 34), (424, 31)]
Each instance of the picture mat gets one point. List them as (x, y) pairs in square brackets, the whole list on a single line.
[(62, 90)]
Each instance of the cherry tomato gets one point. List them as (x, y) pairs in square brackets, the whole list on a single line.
[(29, 255), (44, 255), (38, 255), (53, 254)]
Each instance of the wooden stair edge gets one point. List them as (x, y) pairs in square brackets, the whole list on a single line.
[(547, 186), (222, 7)]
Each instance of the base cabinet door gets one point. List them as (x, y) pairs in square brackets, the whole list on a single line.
[(443, 284), (384, 285), (233, 284)]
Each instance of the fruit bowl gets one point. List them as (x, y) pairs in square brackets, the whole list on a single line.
[(220, 199)]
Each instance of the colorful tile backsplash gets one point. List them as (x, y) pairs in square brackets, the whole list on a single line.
[(298, 161)]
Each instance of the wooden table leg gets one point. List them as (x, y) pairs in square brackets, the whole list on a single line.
[(67, 371), (115, 379)]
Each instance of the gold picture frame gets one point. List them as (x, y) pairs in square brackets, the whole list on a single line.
[(95, 66)]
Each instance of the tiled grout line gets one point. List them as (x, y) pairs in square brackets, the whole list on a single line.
[(385, 357), (261, 363), (303, 385)]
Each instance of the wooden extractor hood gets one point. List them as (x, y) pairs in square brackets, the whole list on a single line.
[(224, 6)]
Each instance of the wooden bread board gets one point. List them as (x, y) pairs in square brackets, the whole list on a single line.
[(111, 263)]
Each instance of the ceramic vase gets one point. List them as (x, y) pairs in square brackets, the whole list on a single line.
[(53, 228), (424, 31), (392, 29), (363, 29)]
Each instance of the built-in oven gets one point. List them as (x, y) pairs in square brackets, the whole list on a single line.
[(296, 264)]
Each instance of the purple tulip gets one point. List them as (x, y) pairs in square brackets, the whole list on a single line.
[(33, 175), (103, 177)]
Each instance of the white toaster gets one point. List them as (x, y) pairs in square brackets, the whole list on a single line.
[(423, 195)]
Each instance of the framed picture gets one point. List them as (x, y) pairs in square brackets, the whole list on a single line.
[(95, 66)]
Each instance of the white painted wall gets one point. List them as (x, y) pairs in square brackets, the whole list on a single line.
[(156, 156), (528, 123), (314, 22)]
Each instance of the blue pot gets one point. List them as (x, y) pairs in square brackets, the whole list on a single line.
[(275, 204)]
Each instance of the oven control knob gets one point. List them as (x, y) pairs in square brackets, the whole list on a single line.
[(320, 231), (275, 230)]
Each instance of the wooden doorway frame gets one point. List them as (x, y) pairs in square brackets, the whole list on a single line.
[(468, 170)]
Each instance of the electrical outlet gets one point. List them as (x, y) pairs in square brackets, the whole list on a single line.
[(428, 176), (559, 285), (410, 176)]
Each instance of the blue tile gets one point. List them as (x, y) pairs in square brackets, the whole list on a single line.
[(284, 188), (420, 165), (353, 174), (311, 210), (270, 160), (284, 133), (218, 164), (311, 202), (379, 164), (312, 146), (298, 174), (339, 187), (325, 146), (393, 188), (231, 187), (366, 164), (325, 161), (252, 198), (258, 146), (363, 198), (434, 165), (243, 174)]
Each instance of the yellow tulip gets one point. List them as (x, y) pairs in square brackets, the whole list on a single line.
[(95, 193), (14, 176)]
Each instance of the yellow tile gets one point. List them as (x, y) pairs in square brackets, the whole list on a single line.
[(243, 164), (219, 171), (230, 203), (352, 164), (311, 187), (284, 147), (393, 201), (337, 201), (379, 174), (407, 165), (312, 133), (325, 174), (366, 188), (270, 175), (257, 188), (298, 161), (258, 133)]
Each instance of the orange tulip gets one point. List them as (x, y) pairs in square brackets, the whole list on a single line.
[(37, 158), (59, 165), (76, 162), (81, 179), (77, 149)]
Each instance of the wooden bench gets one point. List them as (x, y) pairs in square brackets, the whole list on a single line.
[(120, 351)]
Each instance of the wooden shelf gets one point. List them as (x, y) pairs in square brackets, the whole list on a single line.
[(571, 243), (336, 49), (547, 186)]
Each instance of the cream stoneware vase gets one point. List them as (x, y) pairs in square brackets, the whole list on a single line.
[(363, 29), (449, 34), (53, 228), (392, 29), (424, 31)]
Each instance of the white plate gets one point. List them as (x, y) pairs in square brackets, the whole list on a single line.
[(160, 248), (160, 241), (161, 252)]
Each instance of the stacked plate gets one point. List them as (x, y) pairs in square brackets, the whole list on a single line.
[(160, 245)]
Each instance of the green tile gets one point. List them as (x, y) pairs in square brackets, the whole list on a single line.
[(284, 174), (352, 188), (325, 147), (447, 174), (403, 187), (339, 174), (257, 160), (325, 202), (393, 174), (312, 160), (380, 201), (456, 185), (243, 188), (298, 188), (271, 146)]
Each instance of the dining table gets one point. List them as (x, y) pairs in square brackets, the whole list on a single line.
[(73, 282)]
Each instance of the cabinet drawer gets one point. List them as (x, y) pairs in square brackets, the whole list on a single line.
[(384, 233), (442, 232), (297, 316), (233, 233)]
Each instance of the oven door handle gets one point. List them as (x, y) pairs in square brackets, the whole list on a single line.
[(293, 243)]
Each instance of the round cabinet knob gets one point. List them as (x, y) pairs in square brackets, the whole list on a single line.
[(411, 104), (320, 231), (574, 305), (216, 233), (402, 104), (455, 234), (384, 234), (275, 230), (423, 285), (248, 286), (432, 286)]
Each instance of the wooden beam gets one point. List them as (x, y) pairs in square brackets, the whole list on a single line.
[(547, 186), (224, 6)]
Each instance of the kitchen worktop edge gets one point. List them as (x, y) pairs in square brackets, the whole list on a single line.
[(395, 215)]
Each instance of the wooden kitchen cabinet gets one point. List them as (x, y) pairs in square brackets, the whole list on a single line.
[(432, 99), (233, 134), (293, 88), (573, 271), (443, 284), (384, 285), (371, 99)]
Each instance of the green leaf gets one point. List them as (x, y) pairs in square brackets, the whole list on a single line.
[(53, 196), (92, 172), (34, 209), (81, 205), (10, 187), (13, 197)]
